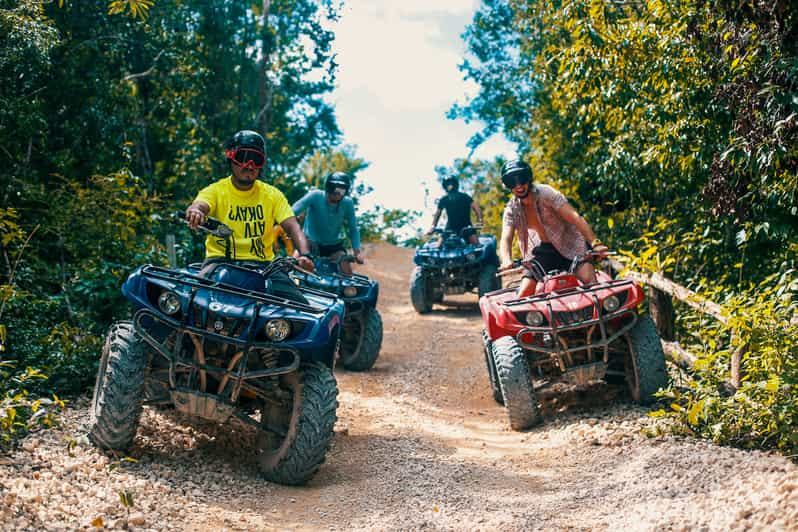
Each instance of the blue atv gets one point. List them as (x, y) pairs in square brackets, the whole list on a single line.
[(220, 341), (361, 336), (450, 265)]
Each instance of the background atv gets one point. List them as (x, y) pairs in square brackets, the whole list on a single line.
[(572, 333), (217, 343), (361, 336), (450, 265)]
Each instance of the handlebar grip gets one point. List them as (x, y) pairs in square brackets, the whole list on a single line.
[(210, 223)]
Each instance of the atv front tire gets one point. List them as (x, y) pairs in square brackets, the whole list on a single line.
[(645, 365), (488, 282), (295, 436), (419, 292), (359, 353), (493, 377), (515, 382), (117, 400)]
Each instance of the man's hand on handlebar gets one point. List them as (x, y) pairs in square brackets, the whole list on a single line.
[(506, 265), (194, 216), (600, 251), (304, 261)]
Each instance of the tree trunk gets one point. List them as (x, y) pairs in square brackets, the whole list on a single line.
[(263, 118)]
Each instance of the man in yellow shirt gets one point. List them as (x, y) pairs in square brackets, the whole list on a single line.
[(248, 206)]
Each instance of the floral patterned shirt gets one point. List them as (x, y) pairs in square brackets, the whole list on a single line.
[(562, 235)]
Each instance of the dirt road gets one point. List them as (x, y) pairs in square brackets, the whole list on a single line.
[(419, 444)]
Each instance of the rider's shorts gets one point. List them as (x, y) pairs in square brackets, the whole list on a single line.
[(325, 250), (546, 258)]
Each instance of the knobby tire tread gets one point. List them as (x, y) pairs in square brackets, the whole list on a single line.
[(515, 381), (419, 294), (370, 347), (117, 404), (650, 358), (315, 428)]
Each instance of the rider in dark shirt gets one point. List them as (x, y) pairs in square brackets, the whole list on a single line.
[(458, 206)]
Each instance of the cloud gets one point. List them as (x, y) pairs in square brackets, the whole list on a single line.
[(402, 51)]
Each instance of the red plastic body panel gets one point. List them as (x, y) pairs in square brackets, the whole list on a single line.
[(560, 293)]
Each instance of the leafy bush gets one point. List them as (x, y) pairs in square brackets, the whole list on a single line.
[(763, 411), (18, 412)]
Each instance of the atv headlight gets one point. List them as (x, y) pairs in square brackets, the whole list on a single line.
[(350, 291), (611, 303), (277, 330), (169, 303), (471, 257), (535, 318)]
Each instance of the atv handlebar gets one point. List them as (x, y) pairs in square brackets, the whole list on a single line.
[(210, 225), (441, 231), (519, 266)]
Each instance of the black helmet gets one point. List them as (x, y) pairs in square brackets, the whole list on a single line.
[(247, 139), (450, 181), (338, 180), (516, 172), (247, 148)]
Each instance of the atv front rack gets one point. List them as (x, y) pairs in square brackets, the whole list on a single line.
[(559, 348), (197, 282)]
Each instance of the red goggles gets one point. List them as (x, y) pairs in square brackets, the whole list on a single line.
[(247, 158)]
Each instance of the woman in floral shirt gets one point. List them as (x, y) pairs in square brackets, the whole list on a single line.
[(550, 232)]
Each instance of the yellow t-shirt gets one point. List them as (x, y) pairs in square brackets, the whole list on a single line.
[(251, 214)]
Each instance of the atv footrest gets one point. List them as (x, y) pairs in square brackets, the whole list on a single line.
[(203, 405), (584, 374)]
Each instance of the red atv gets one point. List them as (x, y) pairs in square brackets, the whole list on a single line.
[(570, 333)]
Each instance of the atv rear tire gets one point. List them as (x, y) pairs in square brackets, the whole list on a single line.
[(493, 377), (361, 353), (515, 382), (645, 366), (419, 292), (117, 400), (488, 282), (295, 439)]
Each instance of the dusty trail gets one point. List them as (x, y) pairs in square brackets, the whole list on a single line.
[(419, 444)]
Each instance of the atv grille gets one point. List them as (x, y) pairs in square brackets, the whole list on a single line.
[(565, 318), (216, 323)]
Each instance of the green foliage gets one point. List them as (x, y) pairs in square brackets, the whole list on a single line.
[(763, 412), (19, 413), (135, 8), (394, 226)]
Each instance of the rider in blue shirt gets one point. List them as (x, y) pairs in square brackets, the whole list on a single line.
[(325, 212)]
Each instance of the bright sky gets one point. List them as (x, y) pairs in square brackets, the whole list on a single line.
[(397, 78)]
